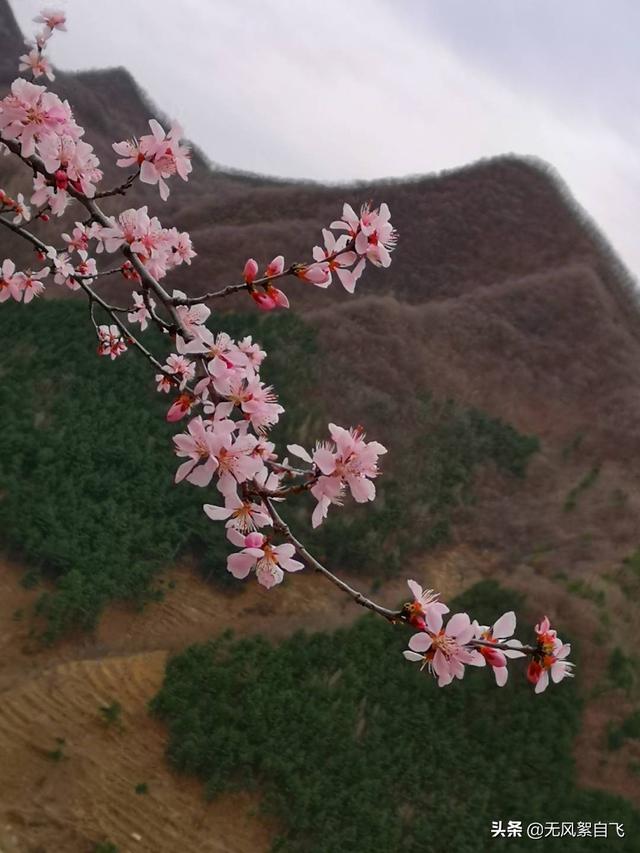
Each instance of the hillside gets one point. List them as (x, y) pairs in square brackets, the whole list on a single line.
[(503, 297)]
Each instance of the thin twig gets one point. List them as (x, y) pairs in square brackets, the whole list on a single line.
[(120, 190), (282, 528)]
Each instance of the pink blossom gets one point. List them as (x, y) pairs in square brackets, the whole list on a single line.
[(318, 274), (199, 445), (86, 270), (245, 389), (377, 237), (67, 273), (183, 369), (63, 267), (21, 210), (111, 342), (340, 260), (159, 249), (267, 559), (244, 516), (221, 351), (270, 298), (183, 248), (445, 650), (30, 114), (16, 205), (501, 630), (46, 196), (549, 658), (140, 313), (130, 227), (255, 355), (130, 153), (374, 236), (276, 267), (163, 156), (41, 39), (37, 64), (350, 221), (425, 601), (349, 461), (193, 318), (327, 491), (53, 19), (263, 300), (32, 285), (181, 407), (164, 383), (78, 241), (71, 161), (236, 461), (11, 283), (250, 271)]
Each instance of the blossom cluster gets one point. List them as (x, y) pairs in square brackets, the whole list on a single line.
[(158, 249), (15, 206), (549, 659), (446, 649), (369, 237), (20, 286), (44, 125), (347, 461), (158, 155), (110, 341), (34, 60)]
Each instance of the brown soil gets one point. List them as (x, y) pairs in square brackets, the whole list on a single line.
[(67, 778)]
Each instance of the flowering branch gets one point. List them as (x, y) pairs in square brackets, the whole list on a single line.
[(230, 410)]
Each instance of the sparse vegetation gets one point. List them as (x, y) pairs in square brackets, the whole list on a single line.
[(141, 788), (572, 447), (622, 670), (57, 754), (333, 725), (112, 714), (584, 590), (629, 728), (105, 847), (585, 483)]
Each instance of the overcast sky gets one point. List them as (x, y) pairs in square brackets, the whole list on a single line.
[(342, 89)]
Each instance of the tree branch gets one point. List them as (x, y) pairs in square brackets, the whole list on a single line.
[(282, 528)]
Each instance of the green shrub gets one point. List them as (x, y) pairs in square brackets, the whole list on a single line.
[(353, 748)]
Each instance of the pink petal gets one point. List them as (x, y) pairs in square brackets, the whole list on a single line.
[(300, 452), (505, 626), (501, 673), (240, 565), (420, 642), (543, 682), (416, 589), (217, 513), (325, 460)]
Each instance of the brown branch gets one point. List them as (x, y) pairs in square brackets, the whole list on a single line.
[(120, 190), (281, 527), (27, 235), (294, 270)]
